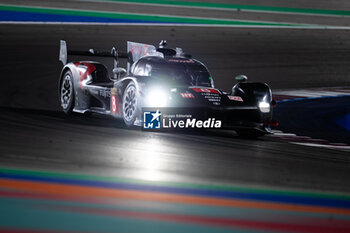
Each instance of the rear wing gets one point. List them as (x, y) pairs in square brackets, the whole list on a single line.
[(135, 51), (91, 52), (63, 56)]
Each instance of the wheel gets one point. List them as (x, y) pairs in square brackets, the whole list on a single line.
[(249, 134), (67, 93), (129, 106)]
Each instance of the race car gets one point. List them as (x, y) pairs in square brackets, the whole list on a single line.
[(160, 78)]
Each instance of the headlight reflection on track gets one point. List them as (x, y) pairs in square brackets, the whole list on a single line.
[(151, 161)]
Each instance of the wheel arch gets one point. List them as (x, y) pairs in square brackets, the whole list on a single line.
[(247, 89), (253, 93), (125, 82)]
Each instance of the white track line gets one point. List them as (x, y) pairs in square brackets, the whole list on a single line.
[(309, 93), (218, 8), (284, 134), (288, 137), (177, 25), (321, 145)]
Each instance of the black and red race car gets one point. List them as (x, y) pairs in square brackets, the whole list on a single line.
[(160, 78)]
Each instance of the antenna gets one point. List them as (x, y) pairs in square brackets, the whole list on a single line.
[(114, 53), (163, 44)]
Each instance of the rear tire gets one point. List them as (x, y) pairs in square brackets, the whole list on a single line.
[(67, 93)]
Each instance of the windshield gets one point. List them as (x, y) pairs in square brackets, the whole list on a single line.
[(177, 77), (182, 75)]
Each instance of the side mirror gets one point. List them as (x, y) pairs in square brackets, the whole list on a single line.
[(241, 78), (118, 72), (273, 103)]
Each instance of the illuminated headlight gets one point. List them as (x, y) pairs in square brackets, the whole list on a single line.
[(264, 107), (157, 98)]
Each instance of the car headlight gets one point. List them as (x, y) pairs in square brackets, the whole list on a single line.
[(264, 107), (157, 98)]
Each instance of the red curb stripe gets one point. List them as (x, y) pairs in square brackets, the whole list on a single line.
[(92, 192), (344, 227)]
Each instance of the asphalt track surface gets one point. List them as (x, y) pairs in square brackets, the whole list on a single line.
[(35, 134), (284, 58), (98, 144), (30, 71)]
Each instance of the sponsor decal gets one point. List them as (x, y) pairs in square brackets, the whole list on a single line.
[(212, 97), (180, 61), (187, 95), (114, 104), (137, 49), (105, 93), (152, 120), (210, 94), (235, 98), (205, 90), (89, 69), (114, 91), (114, 100)]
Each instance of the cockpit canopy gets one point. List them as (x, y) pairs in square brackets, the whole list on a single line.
[(174, 70)]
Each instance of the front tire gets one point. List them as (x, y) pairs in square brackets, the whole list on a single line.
[(67, 93), (129, 106)]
